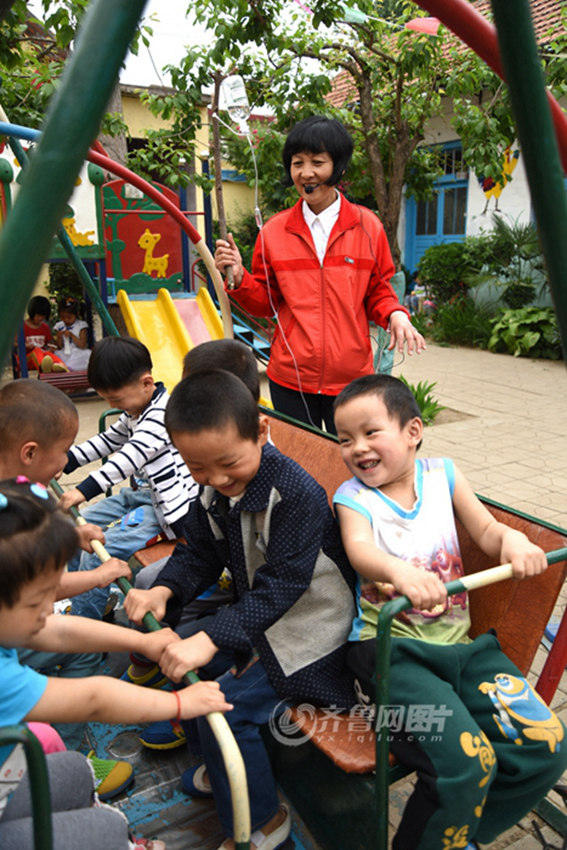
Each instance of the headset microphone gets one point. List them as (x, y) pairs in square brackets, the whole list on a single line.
[(309, 189)]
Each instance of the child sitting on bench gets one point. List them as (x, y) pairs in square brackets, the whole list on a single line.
[(36, 540), (283, 638), (481, 767)]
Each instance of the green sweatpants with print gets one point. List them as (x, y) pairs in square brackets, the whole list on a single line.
[(485, 746)]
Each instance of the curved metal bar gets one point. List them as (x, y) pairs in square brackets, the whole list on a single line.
[(39, 783), (233, 761), (72, 122), (121, 171), (470, 26), (67, 245)]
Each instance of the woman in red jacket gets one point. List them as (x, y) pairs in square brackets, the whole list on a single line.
[(323, 268)]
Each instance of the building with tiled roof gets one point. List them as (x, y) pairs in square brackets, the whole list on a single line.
[(464, 201)]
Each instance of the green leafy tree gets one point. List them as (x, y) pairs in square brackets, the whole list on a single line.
[(399, 81), (33, 53)]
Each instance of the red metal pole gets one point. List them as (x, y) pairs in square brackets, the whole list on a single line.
[(555, 664)]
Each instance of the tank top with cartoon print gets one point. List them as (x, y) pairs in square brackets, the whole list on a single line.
[(424, 536)]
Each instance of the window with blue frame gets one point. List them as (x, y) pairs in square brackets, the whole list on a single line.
[(443, 217)]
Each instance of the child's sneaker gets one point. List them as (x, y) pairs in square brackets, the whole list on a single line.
[(111, 777), (154, 678), (163, 735), (58, 367)]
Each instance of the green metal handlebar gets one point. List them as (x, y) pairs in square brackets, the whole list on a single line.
[(38, 780), (233, 761), (383, 647)]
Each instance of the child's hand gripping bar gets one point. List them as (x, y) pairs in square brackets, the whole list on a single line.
[(383, 643), (233, 762)]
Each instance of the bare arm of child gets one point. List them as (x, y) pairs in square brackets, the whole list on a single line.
[(80, 340), (81, 634), (109, 700), (140, 602), (496, 539), (424, 589), (73, 583)]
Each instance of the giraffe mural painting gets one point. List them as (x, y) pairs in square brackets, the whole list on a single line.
[(135, 225)]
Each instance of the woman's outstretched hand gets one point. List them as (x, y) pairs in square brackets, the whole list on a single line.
[(402, 331)]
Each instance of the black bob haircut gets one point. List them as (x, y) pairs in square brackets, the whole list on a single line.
[(398, 399), (315, 135), (209, 400), (35, 537), (39, 306), (228, 354), (116, 361)]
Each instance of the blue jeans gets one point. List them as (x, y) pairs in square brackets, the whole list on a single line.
[(128, 520), (67, 666), (255, 701)]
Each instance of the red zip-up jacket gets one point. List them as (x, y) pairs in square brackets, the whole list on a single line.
[(323, 309)]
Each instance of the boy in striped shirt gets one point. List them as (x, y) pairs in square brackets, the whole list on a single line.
[(137, 447)]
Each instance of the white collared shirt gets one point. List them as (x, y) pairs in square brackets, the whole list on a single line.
[(322, 224)]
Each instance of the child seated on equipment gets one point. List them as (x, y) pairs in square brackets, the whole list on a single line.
[(35, 542), (483, 767), (235, 357), (283, 638), (138, 447), (71, 336), (38, 423), (40, 348)]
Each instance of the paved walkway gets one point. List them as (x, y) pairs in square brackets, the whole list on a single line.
[(511, 443)]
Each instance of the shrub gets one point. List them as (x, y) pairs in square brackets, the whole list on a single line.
[(529, 331), (427, 403), (442, 269), (64, 282), (461, 322)]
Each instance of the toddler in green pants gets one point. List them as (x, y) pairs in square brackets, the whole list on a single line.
[(485, 746)]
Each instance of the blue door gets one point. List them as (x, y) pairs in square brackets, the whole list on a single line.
[(441, 219)]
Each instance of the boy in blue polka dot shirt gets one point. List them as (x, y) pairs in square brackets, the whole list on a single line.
[(282, 641)]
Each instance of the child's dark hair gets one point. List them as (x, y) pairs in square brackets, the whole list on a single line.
[(39, 306), (32, 410), (315, 135), (398, 399), (34, 536), (228, 354), (116, 361), (209, 400), (69, 305)]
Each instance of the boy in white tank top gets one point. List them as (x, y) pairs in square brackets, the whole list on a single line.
[(480, 768)]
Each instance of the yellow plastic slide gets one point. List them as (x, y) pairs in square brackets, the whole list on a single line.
[(159, 326)]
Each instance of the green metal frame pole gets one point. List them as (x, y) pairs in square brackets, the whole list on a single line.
[(536, 135), (39, 783), (68, 247), (71, 125)]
